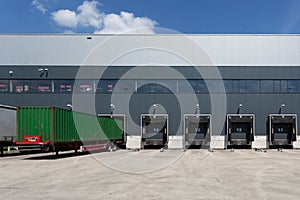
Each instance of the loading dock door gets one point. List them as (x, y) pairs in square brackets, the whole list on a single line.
[(283, 129), (154, 129), (240, 129), (197, 129)]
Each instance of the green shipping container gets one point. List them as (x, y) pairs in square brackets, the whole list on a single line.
[(57, 125)]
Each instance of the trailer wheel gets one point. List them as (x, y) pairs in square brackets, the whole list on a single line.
[(109, 147), (2, 150), (24, 152), (46, 149)]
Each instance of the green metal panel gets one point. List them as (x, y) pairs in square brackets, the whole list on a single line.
[(86, 126), (34, 121), (112, 127), (64, 129)]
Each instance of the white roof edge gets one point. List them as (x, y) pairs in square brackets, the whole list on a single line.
[(150, 35), (222, 49)]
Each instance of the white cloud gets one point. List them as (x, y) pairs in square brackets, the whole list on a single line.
[(68, 32), (114, 23), (38, 5), (66, 18), (88, 15)]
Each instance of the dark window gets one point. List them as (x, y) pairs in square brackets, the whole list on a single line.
[(125, 86), (4, 86), (20, 86), (116, 86), (154, 88), (293, 86), (157, 86), (214, 86), (151, 86), (266, 86), (63, 86), (243, 86), (235, 86), (106, 86), (199, 86), (228, 85), (84, 86), (41, 86), (277, 86), (252, 86), (202, 86), (284, 86), (185, 87)]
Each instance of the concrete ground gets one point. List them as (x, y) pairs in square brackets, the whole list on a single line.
[(151, 174)]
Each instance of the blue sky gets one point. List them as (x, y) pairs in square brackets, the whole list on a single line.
[(110, 16)]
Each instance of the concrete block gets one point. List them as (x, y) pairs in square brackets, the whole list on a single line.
[(134, 142), (260, 142), (175, 142), (296, 144), (217, 142)]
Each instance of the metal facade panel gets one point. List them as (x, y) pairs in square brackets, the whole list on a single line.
[(7, 122), (259, 104), (224, 50)]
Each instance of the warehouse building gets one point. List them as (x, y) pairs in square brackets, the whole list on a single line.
[(175, 90)]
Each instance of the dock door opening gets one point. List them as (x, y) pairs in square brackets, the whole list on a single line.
[(197, 129), (283, 129), (154, 129), (240, 129)]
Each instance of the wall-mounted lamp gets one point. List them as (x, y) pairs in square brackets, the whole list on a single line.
[(240, 108), (197, 108), (154, 109), (70, 106), (112, 109), (11, 73), (281, 108)]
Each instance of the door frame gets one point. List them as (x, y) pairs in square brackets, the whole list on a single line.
[(239, 115), (195, 115), (282, 115), (152, 115)]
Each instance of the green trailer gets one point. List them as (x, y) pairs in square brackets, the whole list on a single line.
[(56, 129)]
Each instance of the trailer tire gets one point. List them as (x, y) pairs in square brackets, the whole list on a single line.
[(24, 152), (46, 149), (109, 147)]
